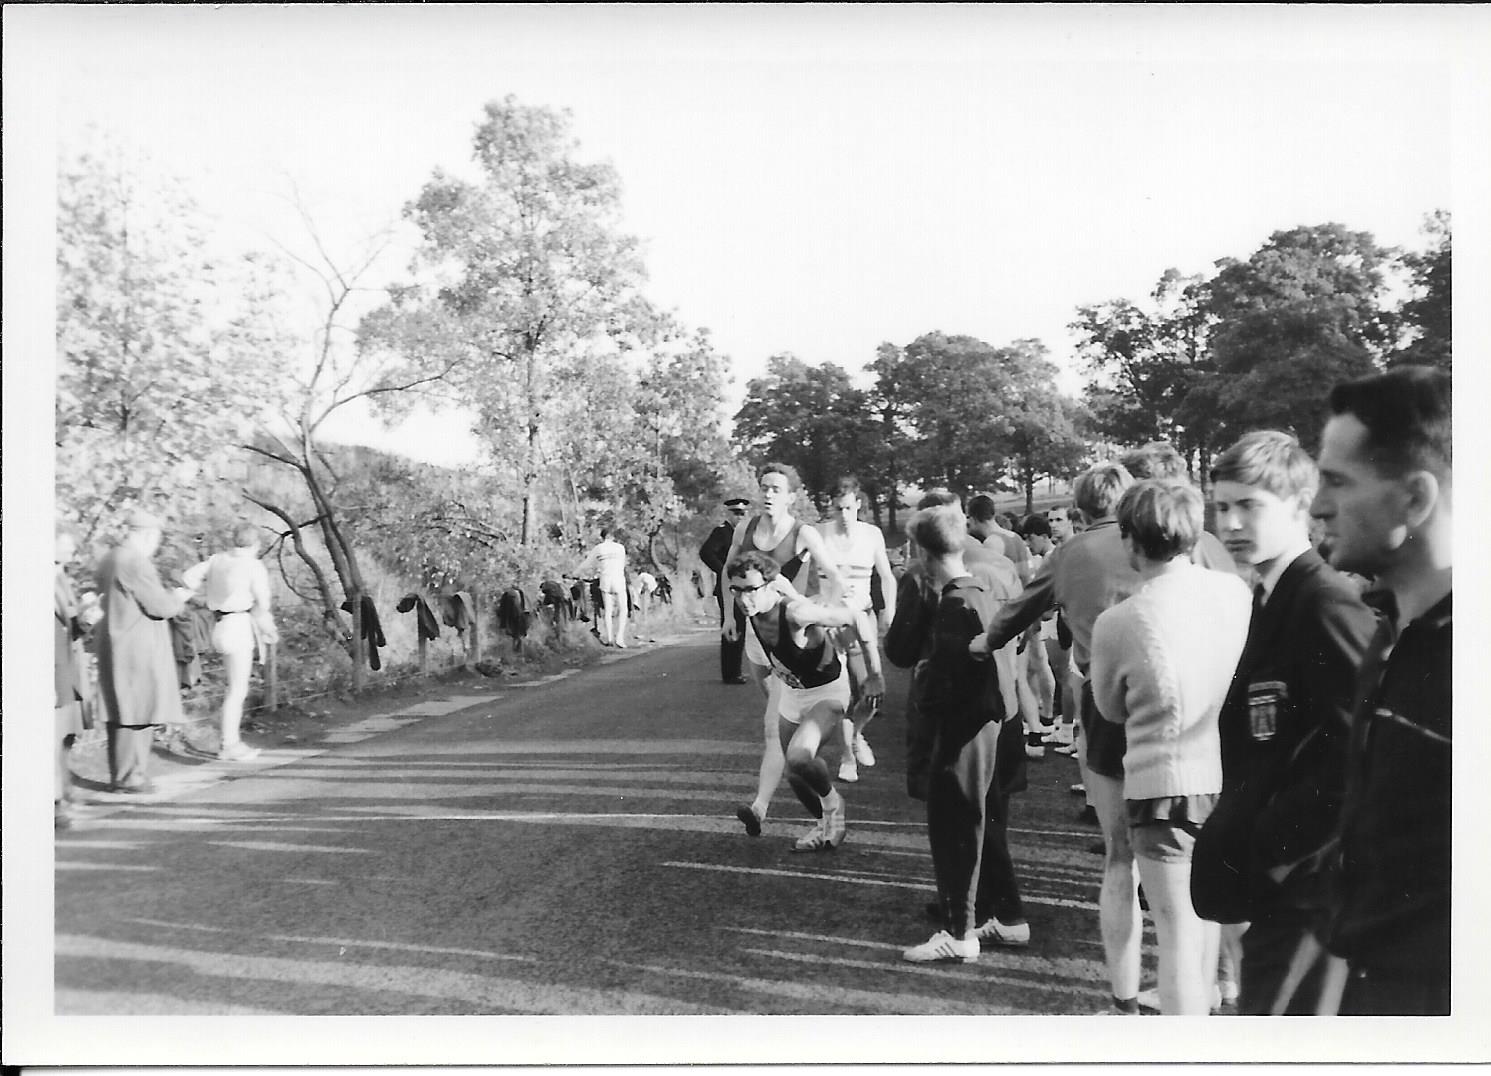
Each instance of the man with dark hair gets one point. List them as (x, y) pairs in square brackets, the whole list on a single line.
[(1386, 498), (1283, 725), (713, 553), (984, 524)]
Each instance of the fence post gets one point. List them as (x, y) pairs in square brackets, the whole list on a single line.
[(272, 677), (424, 654), (475, 632)]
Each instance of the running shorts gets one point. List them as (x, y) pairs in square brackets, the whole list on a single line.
[(793, 702)]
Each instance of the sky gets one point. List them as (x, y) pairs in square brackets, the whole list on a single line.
[(815, 180)]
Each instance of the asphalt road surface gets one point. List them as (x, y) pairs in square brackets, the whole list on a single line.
[(563, 847)]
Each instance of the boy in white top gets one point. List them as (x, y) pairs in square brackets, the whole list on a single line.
[(1162, 661), (237, 592), (607, 561), (857, 550)]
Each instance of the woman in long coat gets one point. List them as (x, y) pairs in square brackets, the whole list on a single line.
[(135, 663)]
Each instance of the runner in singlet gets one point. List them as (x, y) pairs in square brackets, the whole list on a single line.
[(812, 683), (858, 551), (788, 542)]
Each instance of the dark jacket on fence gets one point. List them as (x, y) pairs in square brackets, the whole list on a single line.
[(458, 611), (428, 626), (372, 630), (191, 637)]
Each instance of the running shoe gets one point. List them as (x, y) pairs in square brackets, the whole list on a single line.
[(1066, 749), (815, 839), (862, 753), (834, 825), (1149, 1000), (1014, 935), (238, 752), (848, 771), (942, 946), (750, 819), (1078, 789)]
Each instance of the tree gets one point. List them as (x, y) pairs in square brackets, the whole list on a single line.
[(1044, 438), (531, 266), (1303, 313), (335, 376), (811, 417), (166, 347), (1428, 315)]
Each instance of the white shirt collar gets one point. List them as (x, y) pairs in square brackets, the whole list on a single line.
[(1280, 565)]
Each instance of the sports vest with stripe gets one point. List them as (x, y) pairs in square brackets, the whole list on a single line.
[(796, 666)]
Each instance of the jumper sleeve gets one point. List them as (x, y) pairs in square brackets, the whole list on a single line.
[(137, 576), (1021, 612), (1109, 686), (912, 623), (196, 575)]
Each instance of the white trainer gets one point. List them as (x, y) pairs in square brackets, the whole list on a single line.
[(1013, 935), (848, 771), (834, 825), (862, 753), (942, 946), (815, 839)]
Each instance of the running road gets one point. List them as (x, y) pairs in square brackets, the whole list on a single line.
[(566, 847)]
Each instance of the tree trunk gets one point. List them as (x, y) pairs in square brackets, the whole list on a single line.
[(1029, 492), (359, 651)]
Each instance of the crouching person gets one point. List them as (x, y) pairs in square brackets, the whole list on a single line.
[(812, 694), (964, 706)]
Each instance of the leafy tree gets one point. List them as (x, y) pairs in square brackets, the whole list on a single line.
[(531, 266), (1304, 312), (811, 417), (165, 347), (1428, 314)]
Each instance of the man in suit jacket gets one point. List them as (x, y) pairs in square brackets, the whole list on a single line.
[(713, 553), (1285, 721)]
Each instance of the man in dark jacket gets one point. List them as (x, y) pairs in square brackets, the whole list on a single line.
[(1284, 723), (1386, 498), (713, 553)]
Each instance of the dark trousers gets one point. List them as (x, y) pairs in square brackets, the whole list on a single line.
[(731, 654), (967, 820), (129, 753), (919, 736), (1374, 992), (1268, 946)]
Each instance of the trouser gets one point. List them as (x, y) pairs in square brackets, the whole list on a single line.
[(129, 753), (1374, 992), (731, 652), (63, 734), (967, 820), (919, 736), (1268, 946)]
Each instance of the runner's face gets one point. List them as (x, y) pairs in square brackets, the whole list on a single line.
[(1061, 527), (752, 592), (1255, 525), (775, 494), (846, 509)]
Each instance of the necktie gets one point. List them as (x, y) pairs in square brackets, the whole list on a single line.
[(1258, 596)]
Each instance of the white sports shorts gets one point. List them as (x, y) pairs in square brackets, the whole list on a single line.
[(793, 702)]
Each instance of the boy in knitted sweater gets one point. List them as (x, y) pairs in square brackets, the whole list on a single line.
[(1162, 660)]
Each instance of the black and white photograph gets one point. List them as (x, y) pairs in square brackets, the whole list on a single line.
[(726, 523)]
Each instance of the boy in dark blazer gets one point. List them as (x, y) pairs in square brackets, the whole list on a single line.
[(1285, 722)]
